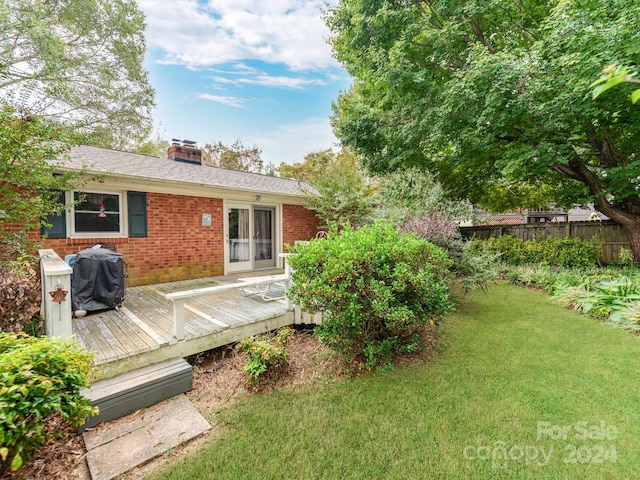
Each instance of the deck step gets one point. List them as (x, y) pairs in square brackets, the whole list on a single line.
[(124, 394)]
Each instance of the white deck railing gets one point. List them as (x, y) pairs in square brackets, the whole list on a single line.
[(178, 298)]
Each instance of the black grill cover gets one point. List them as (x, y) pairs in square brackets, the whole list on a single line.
[(98, 280)]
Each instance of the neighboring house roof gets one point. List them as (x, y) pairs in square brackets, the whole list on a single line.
[(573, 215), (134, 166), (503, 221)]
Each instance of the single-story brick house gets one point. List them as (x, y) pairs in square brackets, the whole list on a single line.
[(175, 219)]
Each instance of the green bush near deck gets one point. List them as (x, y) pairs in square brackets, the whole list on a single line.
[(265, 355), (375, 286), (39, 377)]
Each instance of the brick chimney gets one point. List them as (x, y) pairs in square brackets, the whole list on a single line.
[(184, 151)]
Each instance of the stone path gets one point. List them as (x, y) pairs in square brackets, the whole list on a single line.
[(121, 445)]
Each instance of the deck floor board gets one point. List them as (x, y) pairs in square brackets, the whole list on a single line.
[(131, 336)]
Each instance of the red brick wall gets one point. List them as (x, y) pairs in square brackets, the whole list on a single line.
[(298, 223), (177, 247)]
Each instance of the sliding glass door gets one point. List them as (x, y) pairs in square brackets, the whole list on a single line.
[(263, 237), (250, 236)]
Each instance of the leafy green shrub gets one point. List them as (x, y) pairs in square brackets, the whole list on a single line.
[(625, 257), (39, 377), (20, 297), (375, 286), (560, 252), (510, 249), (266, 355)]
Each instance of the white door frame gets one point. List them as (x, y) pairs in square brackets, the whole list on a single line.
[(249, 265)]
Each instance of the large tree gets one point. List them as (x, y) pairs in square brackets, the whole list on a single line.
[(494, 98), (28, 189), (69, 70), (79, 62)]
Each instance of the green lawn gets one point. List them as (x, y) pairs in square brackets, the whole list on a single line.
[(515, 373)]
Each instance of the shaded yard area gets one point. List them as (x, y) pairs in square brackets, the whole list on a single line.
[(520, 388)]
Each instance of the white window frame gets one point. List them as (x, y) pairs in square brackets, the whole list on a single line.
[(110, 234)]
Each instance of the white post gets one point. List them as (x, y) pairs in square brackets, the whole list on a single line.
[(178, 318), (56, 294), (287, 282)]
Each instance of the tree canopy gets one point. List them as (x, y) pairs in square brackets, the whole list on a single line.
[(79, 62), (233, 157), (494, 98), (313, 166), (341, 193)]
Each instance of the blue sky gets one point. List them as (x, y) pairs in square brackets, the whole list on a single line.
[(255, 70)]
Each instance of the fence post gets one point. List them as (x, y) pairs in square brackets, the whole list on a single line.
[(56, 294)]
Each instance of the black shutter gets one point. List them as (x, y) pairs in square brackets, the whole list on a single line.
[(58, 228), (137, 205)]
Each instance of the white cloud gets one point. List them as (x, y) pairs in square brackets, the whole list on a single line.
[(265, 80), (230, 101), (290, 143), (288, 82), (240, 74), (219, 79), (289, 32)]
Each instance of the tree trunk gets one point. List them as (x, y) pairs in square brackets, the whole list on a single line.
[(633, 233)]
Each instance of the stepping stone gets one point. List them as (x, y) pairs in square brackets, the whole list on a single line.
[(117, 447)]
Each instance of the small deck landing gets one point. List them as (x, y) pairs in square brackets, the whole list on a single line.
[(141, 332)]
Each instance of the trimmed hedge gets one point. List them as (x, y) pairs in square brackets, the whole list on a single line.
[(560, 252)]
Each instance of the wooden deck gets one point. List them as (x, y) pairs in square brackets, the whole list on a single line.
[(140, 333)]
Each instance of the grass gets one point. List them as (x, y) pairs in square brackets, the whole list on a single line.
[(510, 360)]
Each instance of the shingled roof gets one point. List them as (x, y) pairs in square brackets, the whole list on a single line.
[(141, 167)]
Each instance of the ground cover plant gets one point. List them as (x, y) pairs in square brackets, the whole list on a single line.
[(609, 294), (520, 388), (375, 286), (265, 355)]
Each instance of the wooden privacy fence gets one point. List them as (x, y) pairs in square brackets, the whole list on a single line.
[(611, 236)]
